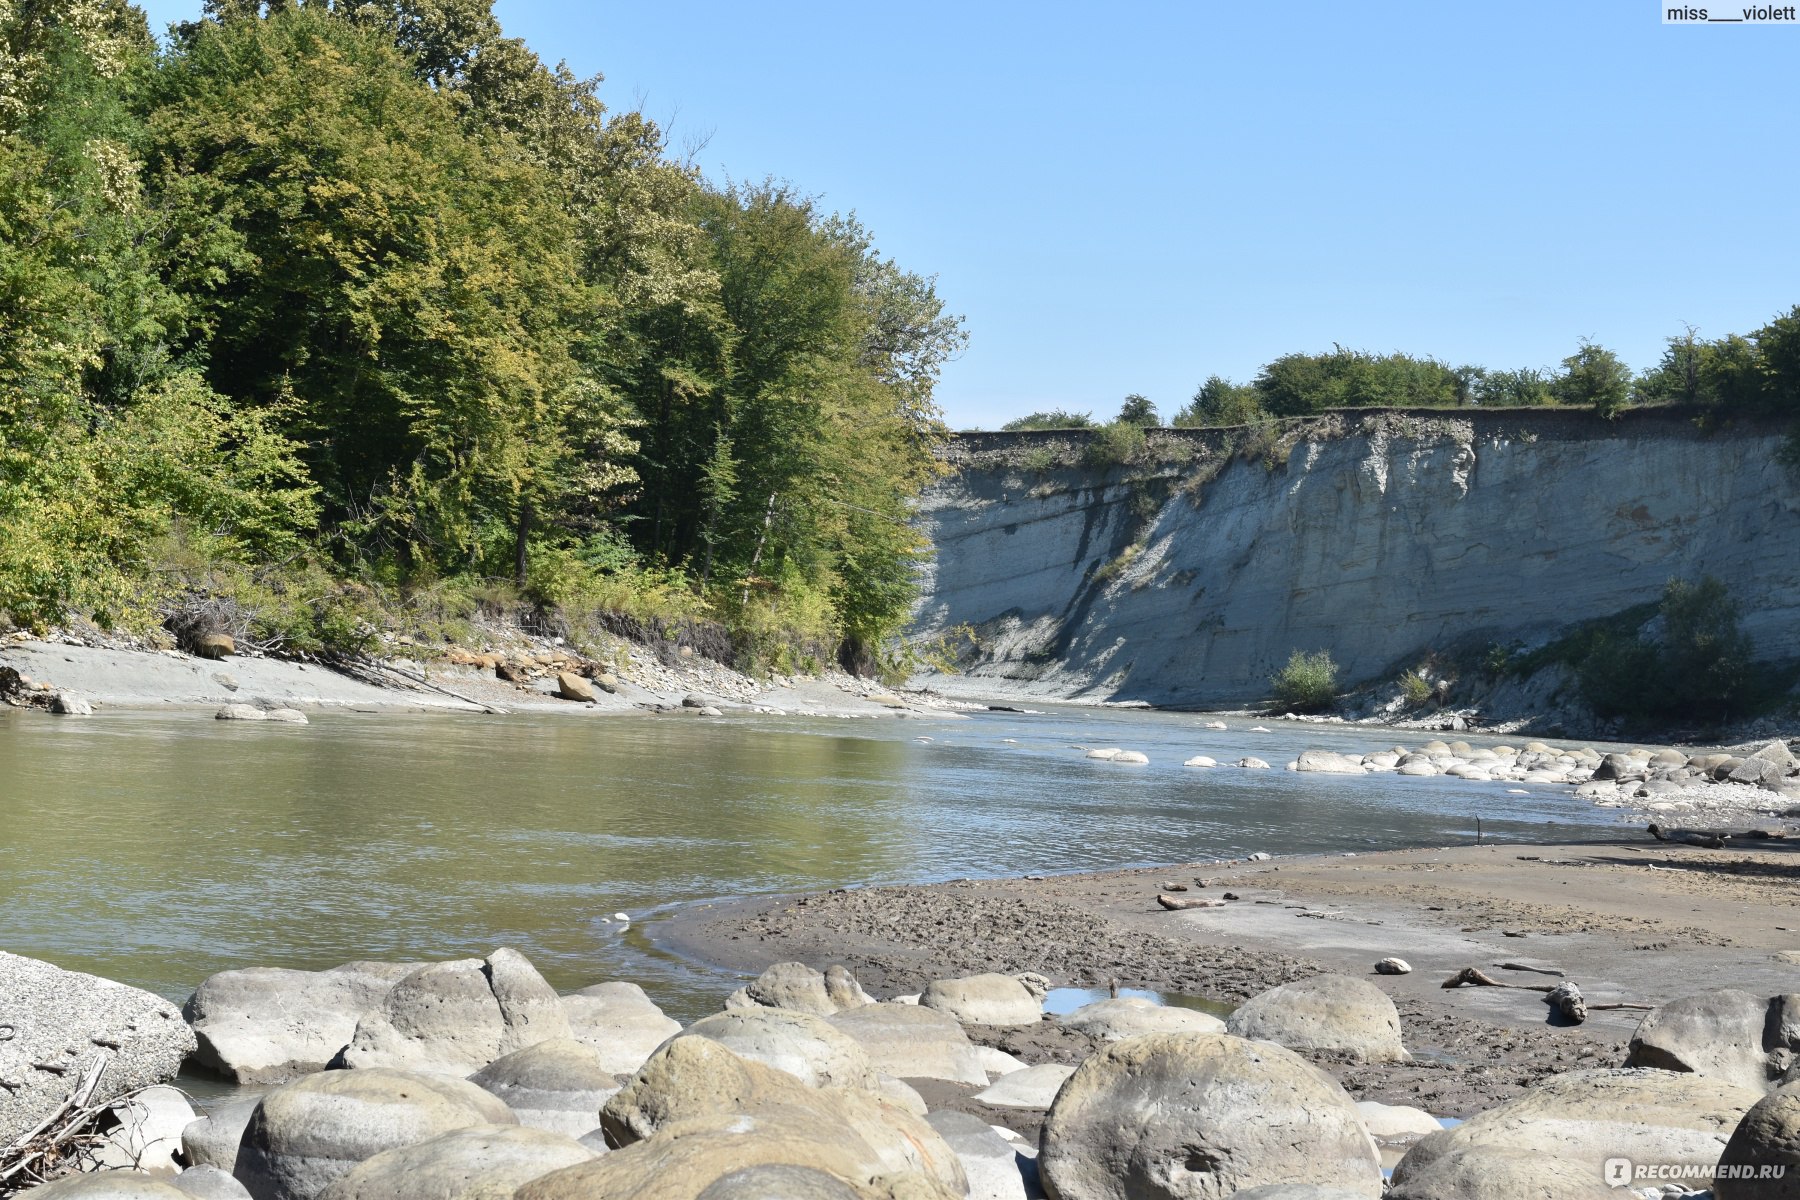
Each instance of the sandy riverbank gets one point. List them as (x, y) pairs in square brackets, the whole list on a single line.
[(1633, 922)]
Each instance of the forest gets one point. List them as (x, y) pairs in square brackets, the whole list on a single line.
[(341, 318)]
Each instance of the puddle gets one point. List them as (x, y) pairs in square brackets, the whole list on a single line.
[(1067, 1000)]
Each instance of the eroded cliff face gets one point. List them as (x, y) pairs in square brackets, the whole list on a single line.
[(1382, 538)]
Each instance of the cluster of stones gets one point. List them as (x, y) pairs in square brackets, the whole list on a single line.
[(474, 1078)]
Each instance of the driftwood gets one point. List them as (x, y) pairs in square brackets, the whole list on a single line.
[(1715, 839), (1178, 902), (1565, 996), (420, 681), (62, 1136)]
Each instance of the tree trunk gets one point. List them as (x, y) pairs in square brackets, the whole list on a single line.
[(520, 551)]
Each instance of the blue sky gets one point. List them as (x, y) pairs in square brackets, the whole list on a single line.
[(1131, 197)]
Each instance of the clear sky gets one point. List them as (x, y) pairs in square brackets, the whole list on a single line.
[(1130, 197)]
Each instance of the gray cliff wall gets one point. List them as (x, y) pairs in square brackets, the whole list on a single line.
[(1383, 537)]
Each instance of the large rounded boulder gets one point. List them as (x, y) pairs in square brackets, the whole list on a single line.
[(1132, 1016), (621, 1023), (271, 1024), (558, 1085), (1762, 1159), (456, 1017), (1734, 1036), (482, 1162), (1327, 1012), (306, 1135), (984, 1000), (805, 1046), (742, 1157), (1500, 1173), (1586, 1117), (1200, 1116), (913, 1042), (696, 1079)]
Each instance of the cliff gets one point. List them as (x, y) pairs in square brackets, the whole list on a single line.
[(1188, 576)]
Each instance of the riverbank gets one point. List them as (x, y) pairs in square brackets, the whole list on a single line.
[(519, 674), (1634, 922)]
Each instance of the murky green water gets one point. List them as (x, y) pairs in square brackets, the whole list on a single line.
[(158, 848)]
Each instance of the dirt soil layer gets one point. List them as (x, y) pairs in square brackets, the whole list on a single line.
[(1631, 923)]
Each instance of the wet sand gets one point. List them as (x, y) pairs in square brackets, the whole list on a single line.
[(1633, 922)]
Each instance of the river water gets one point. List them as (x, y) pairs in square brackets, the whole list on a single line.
[(156, 848)]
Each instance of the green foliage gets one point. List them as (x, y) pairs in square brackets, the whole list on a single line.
[(1054, 418), (1221, 402), (1138, 410), (1415, 689), (1308, 683), (1593, 377), (1300, 384), (1114, 445), (372, 287), (1698, 666)]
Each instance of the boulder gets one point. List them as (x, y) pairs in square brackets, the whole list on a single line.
[(306, 1135), (457, 1017), (270, 1024), (843, 988), (148, 1134), (69, 704), (1327, 1012), (1393, 966), (619, 1021), (213, 1139), (1731, 1035), (1200, 760), (573, 687), (1620, 766), (807, 1047), (1417, 769), (790, 985), (214, 646), (63, 1025), (1768, 1137), (989, 1160), (1132, 1016), (1105, 753), (984, 1000), (996, 1062), (109, 1185), (1295, 1191), (481, 1162), (607, 682), (558, 1085), (1194, 1116), (1254, 764), (901, 1094), (1498, 1173), (693, 1078), (1034, 1087), (1587, 1117), (737, 1158), (1133, 758), (913, 1042), (286, 716), (241, 712), (209, 1183), (1328, 762)]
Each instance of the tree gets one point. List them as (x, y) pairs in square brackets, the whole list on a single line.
[(1593, 377), (1138, 410), (1221, 402)]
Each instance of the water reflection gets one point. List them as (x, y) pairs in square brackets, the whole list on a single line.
[(157, 848)]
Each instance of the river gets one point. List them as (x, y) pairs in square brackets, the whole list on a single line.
[(157, 848)]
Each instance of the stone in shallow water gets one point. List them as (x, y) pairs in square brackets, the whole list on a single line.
[(270, 1024)]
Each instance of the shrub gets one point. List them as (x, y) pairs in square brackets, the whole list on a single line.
[(1415, 688), (1698, 666), (1114, 445), (1054, 418), (1307, 684)]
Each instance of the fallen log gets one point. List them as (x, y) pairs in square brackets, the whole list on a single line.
[(1707, 839), (1180, 902)]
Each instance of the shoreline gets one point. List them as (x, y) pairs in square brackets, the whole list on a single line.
[(1630, 922)]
